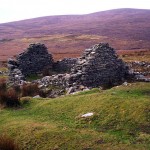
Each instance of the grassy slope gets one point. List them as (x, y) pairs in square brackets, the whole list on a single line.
[(121, 120)]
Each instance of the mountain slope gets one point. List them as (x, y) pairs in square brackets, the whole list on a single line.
[(122, 28), (126, 23)]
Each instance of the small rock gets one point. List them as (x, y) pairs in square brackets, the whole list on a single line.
[(87, 115), (81, 87), (70, 90), (37, 96), (86, 89), (125, 84), (40, 86)]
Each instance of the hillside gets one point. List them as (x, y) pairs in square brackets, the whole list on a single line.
[(124, 29), (120, 120)]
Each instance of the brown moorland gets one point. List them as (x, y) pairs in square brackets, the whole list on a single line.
[(69, 35)]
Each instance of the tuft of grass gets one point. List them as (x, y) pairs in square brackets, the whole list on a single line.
[(29, 89), (3, 69), (8, 96), (4, 77), (7, 143), (3, 84), (32, 77), (92, 91), (25, 100)]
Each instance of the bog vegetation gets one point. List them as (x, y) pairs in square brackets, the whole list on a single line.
[(10, 96), (7, 143)]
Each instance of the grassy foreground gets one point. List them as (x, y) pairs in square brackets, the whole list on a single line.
[(121, 121)]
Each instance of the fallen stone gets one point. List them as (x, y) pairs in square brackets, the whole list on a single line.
[(70, 90), (125, 83), (87, 115), (37, 96)]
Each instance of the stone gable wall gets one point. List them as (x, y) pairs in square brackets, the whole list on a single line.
[(34, 59), (99, 65)]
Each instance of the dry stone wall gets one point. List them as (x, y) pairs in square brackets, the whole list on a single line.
[(64, 65), (15, 75)]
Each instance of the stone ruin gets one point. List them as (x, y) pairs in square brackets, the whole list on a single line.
[(32, 61), (140, 70), (98, 66), (15, 75), (64, 65), (35, 59)]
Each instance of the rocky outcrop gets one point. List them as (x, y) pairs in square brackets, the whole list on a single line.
[(99, 66), (34, 59)]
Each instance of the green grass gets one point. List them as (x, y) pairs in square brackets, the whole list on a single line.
[(4, 77), (121, 120), (32, 77), (3, 69)]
